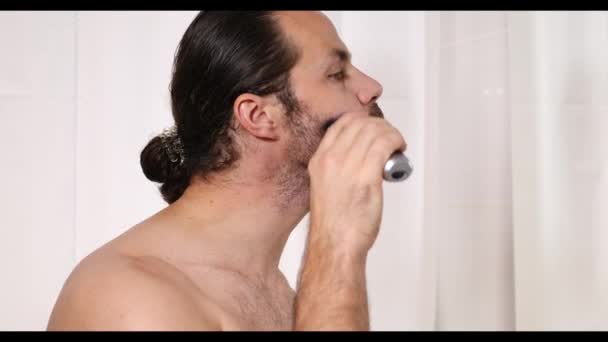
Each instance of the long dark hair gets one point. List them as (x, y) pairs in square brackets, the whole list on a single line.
[(220, 56)]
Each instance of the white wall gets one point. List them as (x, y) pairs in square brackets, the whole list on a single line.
[(80, 94), (560, 153), (37, 116), (123, 72), (472, 168)]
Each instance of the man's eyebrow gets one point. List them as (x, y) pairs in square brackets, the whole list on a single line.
[(341, 54)]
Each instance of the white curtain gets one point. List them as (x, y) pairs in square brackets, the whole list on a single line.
[(558, 107), (502, 225)]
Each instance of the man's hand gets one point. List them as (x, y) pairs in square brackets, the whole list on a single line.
[(346, 180), (345, 215)]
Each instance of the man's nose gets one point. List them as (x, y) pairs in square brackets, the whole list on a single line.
[(369, 90)]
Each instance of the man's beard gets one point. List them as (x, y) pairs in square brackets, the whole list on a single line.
[(293, 178), (306, 134)]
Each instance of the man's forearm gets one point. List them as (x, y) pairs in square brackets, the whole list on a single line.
[(332, 292)]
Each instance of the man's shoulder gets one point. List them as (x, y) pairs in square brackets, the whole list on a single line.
[(110, 291)]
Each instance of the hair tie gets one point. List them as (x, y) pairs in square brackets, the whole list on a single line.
[(172, 144)]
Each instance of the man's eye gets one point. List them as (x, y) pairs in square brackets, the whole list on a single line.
[(338, 76)]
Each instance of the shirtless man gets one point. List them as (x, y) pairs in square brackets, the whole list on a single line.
[(255, 99)]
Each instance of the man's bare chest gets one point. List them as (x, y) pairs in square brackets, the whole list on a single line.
[(246, 305), (260, 311)]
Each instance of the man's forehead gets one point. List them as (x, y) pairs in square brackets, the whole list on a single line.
[(303, 18), (311, 31)]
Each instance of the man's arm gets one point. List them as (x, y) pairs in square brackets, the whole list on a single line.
[(345, 214), (332, 293)]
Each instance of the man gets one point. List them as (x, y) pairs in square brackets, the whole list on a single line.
[(272, 122)]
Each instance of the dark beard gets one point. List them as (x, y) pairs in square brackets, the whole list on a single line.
[(306, 135), (293, 178), (374, 110)]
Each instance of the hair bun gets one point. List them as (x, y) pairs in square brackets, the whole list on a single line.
[(154, 161)]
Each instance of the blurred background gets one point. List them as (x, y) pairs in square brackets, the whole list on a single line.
[(502, 226)]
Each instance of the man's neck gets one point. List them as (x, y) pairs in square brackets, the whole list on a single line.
[(239, 226)]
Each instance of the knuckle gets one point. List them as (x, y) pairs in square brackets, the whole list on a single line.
[(400, 140), (330, 160), (362, 122), (350, 116), (382, 143), (381, 124), (371, 125), (378, 144), (356, 115), (324, 162), (395, 136)]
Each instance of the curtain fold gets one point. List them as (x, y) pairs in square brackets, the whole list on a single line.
[(503, 224), (558, 66)]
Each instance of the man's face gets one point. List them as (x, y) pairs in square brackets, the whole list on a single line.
[(325, 85)]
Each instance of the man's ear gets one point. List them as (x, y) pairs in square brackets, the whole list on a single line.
[(255, 115)]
